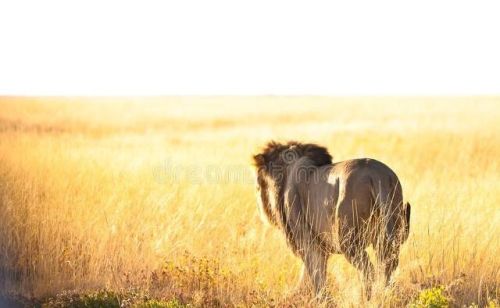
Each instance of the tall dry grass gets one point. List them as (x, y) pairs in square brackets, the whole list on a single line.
[(157, 194)]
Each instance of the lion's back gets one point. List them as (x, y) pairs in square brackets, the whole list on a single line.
[(361, 182), (356, 172)]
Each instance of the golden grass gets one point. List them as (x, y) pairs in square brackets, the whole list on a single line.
[(157, 194)]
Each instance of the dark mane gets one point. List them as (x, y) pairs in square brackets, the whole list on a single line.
[(270, 161), (273, 151)]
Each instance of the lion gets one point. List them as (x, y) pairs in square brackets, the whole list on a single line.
[(326, 208)]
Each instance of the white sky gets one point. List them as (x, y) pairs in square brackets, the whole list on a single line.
[(249, 47)]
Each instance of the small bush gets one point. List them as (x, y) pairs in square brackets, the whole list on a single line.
[(493, 303), (92, 300), (431, 298), (161, 304)]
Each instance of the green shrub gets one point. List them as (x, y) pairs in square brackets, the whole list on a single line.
[(431, 298), (92, 300), (152, 303), (493, 303)]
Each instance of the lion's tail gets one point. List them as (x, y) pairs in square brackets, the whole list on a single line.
[(407, 211)]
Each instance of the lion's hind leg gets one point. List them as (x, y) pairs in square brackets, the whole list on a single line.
[(353, 247), (315, 262), (387, 251), (391, 234)]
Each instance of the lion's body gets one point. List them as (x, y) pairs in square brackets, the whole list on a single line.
[(343, 194), (326, 207)]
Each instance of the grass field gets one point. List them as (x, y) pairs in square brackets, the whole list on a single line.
[(154, 198)]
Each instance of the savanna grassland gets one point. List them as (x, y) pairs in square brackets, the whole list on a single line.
[(151, 201)]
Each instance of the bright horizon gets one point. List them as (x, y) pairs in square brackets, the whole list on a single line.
[(258, 48)]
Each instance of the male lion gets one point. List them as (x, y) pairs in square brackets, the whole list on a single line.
[(324, 208)]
